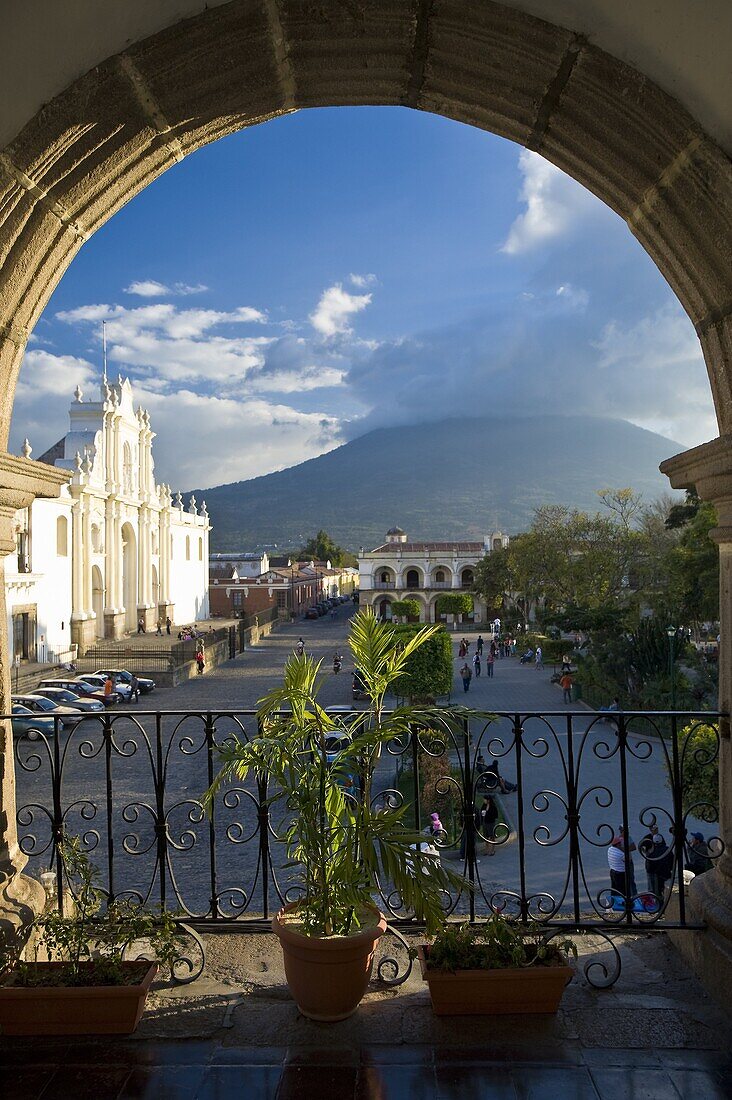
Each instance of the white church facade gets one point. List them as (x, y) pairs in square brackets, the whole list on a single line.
[(114, 548)]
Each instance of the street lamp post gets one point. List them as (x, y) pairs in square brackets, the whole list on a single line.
[(671, 634)]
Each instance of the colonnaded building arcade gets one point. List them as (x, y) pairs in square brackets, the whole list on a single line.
[(114, 548)]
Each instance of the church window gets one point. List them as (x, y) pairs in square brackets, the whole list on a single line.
[(188, 547), (200, 549), (127, 468), (440, 576), (62, 537)]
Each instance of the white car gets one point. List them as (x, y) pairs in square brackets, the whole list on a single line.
[(123, 690)]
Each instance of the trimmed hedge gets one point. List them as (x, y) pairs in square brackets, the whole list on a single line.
[(429, 669)]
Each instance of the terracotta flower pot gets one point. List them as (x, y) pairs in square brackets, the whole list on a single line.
[(327, 976), (75, 1010), (495, 992)]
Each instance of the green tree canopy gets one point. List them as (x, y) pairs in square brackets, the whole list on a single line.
[(405, 609), (455, 603), (322, 548)]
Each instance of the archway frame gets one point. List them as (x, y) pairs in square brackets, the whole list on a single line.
[(120, 125)]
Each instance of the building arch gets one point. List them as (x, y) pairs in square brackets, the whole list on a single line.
[(62, 537), (441, 576), (98, 600), (384, 577), (496, 68), (467, 576), (129, 575), (412, 576)]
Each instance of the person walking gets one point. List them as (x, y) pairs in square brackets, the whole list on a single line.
[(168, 624), (462, 648), (490, 662), (159, 631), (565, 683), (134, 689), (466, 676), (476, 664), (200, 660), (479, 645), (488, 817), (300, 647), (539, 659), (659, 862), (141, 625)]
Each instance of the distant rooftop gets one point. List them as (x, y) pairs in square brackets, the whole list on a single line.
[(416, 547)]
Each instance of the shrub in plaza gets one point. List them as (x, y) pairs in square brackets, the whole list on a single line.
[(345, 843), (405, 609), (455, 603), (699, 745), (427, 672)]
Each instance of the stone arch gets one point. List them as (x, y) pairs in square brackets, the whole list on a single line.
[(98, 600), (129, 118), (412, 576), (441, 575)]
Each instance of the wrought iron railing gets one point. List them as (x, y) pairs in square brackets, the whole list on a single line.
[(130, 785)]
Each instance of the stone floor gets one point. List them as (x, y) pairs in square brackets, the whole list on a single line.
[(236, 1031)]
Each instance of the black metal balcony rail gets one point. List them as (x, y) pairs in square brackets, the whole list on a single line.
[(130, 785)]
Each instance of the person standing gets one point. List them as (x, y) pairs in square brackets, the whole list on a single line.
[(565, 683), (659, 861), (134, 689), (168, 624), (488, 817), (159, 631), (479, 645), (108, 687), (539, 658), (621, 878), (490, 662), (141, 625), (476, 664), (300, 647), (466, 676)]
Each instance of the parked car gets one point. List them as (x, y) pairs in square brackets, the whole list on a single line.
[(68, 716), (121, 691), (26, 721), (312, 613), (68, 698), (80, 687), (121, 675)]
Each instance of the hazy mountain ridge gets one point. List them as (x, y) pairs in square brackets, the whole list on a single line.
[(457, 478)]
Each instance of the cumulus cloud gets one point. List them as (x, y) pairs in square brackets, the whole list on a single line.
[(332, 315), (150, 288), (554, 204), (362, 281)]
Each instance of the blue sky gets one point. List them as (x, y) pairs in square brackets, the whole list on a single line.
[(338, 270)]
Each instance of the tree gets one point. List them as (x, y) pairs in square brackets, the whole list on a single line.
[(405, 609), (455, 603), (428, 670), (322, 548)]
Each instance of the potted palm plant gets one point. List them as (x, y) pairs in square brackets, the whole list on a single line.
[(85, 986), (496, 968), (345, 842)]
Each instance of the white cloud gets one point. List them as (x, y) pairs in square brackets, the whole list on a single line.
[(301, 381), (150, 288), (554, 202), (362, 281), (333, 312), (574, 297)]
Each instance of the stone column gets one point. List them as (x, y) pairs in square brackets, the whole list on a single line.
[(85, 551), (77, 578), (708, 470), (21, 480)]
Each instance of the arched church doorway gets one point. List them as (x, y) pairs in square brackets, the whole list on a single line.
[(98, 600), (129, 575)]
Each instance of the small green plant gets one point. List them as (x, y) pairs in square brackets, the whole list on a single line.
[(499, 944), (90, 943), (343, 841)]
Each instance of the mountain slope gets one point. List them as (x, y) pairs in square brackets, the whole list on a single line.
[(456, 478)]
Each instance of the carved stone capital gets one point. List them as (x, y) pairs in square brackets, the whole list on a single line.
[(708, 470)]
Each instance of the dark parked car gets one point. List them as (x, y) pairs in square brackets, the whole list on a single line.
[(312, 613), (25, 721), (123, 676)]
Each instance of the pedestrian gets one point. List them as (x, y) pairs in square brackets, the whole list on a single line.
[(479, 645), (200, 660), (539, 658), (565, 683), (513, 647), (159, 631), (490, 662), (134, 689), (467, 676), (495, 779), (168, 624), (566, 664), (621, 879), (141, 625), (476, 664), (462, 648), (494, 647), (507, 647), (300, 647), (488, 817), (659, 862), (500, 648), (697, 855), (108, 687), (435, 828)]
